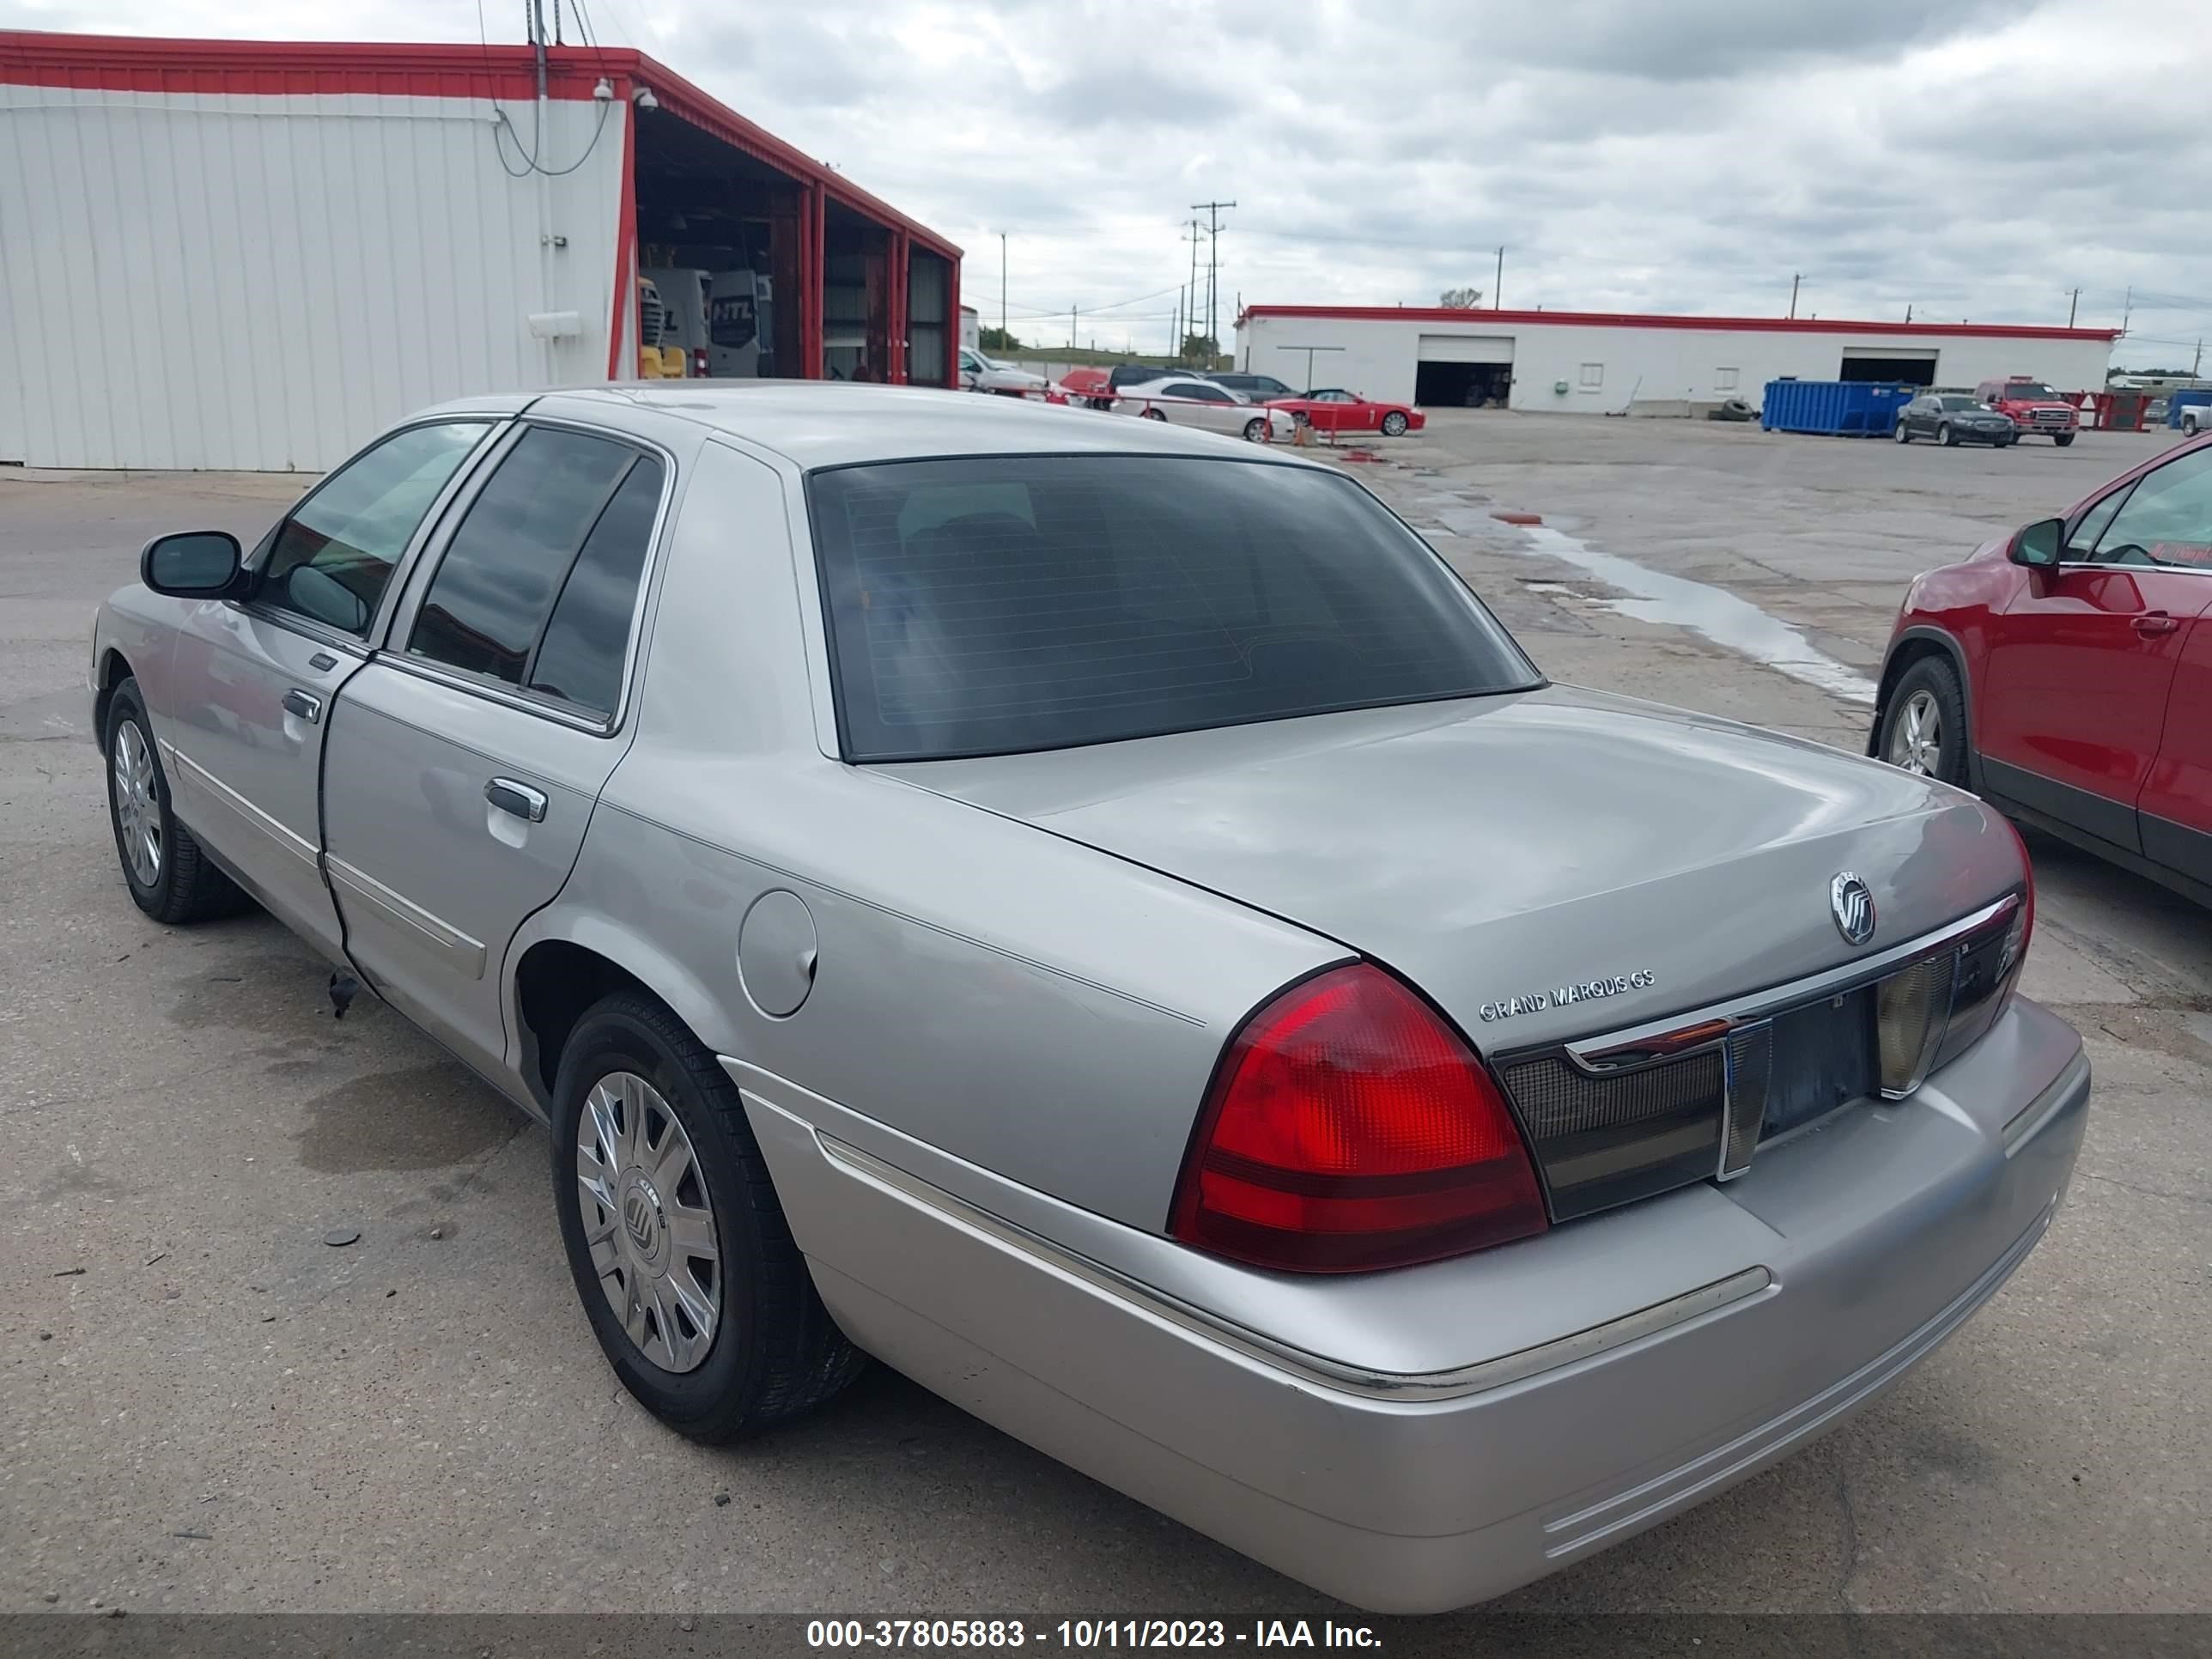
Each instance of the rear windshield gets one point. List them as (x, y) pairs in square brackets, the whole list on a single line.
[(995, 604), (1959, 403)]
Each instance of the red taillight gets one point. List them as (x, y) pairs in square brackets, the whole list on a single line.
[(2016, 953), (1349, 1128)]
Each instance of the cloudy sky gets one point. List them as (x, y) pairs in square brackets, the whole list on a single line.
[(1972, 160)]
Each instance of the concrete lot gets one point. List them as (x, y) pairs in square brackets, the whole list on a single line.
[(206, 1407)]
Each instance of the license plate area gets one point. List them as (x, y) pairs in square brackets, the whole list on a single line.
[(1824, 1056)]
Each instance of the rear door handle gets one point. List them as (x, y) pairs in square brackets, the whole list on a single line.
[(519, 798), (2153, 623), (306, 704)]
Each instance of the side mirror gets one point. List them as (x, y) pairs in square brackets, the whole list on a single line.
[(192, 564), (2039, 544)]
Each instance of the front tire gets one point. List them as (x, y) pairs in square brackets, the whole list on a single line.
[(688, 1271), (1393, 425), (1946, 436), (170, 877), (1255, 429), (2063, 439), (1924, 728)]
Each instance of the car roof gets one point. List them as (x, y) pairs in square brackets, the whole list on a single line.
[(817, 423)]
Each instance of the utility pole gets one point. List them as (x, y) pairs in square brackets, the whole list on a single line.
[(1212, 268), (2199, 362), (1070, 328), (1795, 278), (2072, 303), (1190, 306), (1497, 287), (1908, 311), (2128, 309), (1002, 336)]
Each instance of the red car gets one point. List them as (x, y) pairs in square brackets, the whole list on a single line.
[(1332, 409), (2065, 674)]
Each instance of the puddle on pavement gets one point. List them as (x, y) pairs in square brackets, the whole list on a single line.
[(1736, 624), (423, 1117)]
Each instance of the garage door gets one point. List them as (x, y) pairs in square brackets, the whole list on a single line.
[(1888, 363), (1466, 348)]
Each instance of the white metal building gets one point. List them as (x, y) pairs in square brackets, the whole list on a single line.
[(254, 254), (1590, 362)]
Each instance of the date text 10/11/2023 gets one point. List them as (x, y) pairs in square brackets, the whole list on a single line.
[(1085, 1634)]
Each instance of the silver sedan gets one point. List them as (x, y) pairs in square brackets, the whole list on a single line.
[(1100, 918), (1182, 401)]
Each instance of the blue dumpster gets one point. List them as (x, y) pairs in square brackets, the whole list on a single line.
[(1848, 408), (2194, 397)]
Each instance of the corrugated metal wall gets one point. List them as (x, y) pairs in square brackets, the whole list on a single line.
[(221, 281)]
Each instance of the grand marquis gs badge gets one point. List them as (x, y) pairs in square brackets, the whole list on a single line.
[(1559, 996)]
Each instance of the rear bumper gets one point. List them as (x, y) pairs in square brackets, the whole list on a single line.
[(1804, 1290)]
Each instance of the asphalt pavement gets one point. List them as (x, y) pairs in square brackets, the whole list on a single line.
[(206, 1406)]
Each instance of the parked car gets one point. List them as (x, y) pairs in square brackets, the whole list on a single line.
[(1332, 409), (1953, 417), (1204, 404), (1259, 388), (2032, 406), (2196, 418), (981, 373), (1207, 1005), (2064, 672)]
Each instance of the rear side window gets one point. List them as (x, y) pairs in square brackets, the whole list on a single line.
[(995, 604), (538, 586)]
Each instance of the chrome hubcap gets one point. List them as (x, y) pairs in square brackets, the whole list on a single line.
[(649, 1222), (1916, 742), (137, 808)]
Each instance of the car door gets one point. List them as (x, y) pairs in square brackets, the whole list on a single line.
[(466, 758), (2174, 811), (1204, 404), (1914, 417), (2081, 666), (244, 733)]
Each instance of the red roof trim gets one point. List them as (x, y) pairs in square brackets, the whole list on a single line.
[(110, 62), (1632, 319)]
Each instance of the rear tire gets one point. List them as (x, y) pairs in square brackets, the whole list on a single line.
[(170, 877), (1904, 433), (1151, 415), (1393, 425), (1923, 726), (772, 1349)]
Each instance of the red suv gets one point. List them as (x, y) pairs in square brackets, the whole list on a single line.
[(2065, 674)]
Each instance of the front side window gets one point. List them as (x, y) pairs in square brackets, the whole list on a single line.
[(2167, 519), (333, 557), (1002, 604), (537, 586)]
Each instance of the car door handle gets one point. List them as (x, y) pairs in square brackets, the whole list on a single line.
[(2153, 623), (519, 798), (306, 704)]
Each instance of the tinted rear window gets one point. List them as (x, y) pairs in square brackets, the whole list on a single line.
[(990, 605)]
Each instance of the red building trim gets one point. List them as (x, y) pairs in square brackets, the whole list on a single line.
[(107, 62), (1477, 319), (619, 337)]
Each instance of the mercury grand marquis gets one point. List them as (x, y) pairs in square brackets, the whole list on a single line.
[(1100, 918)]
